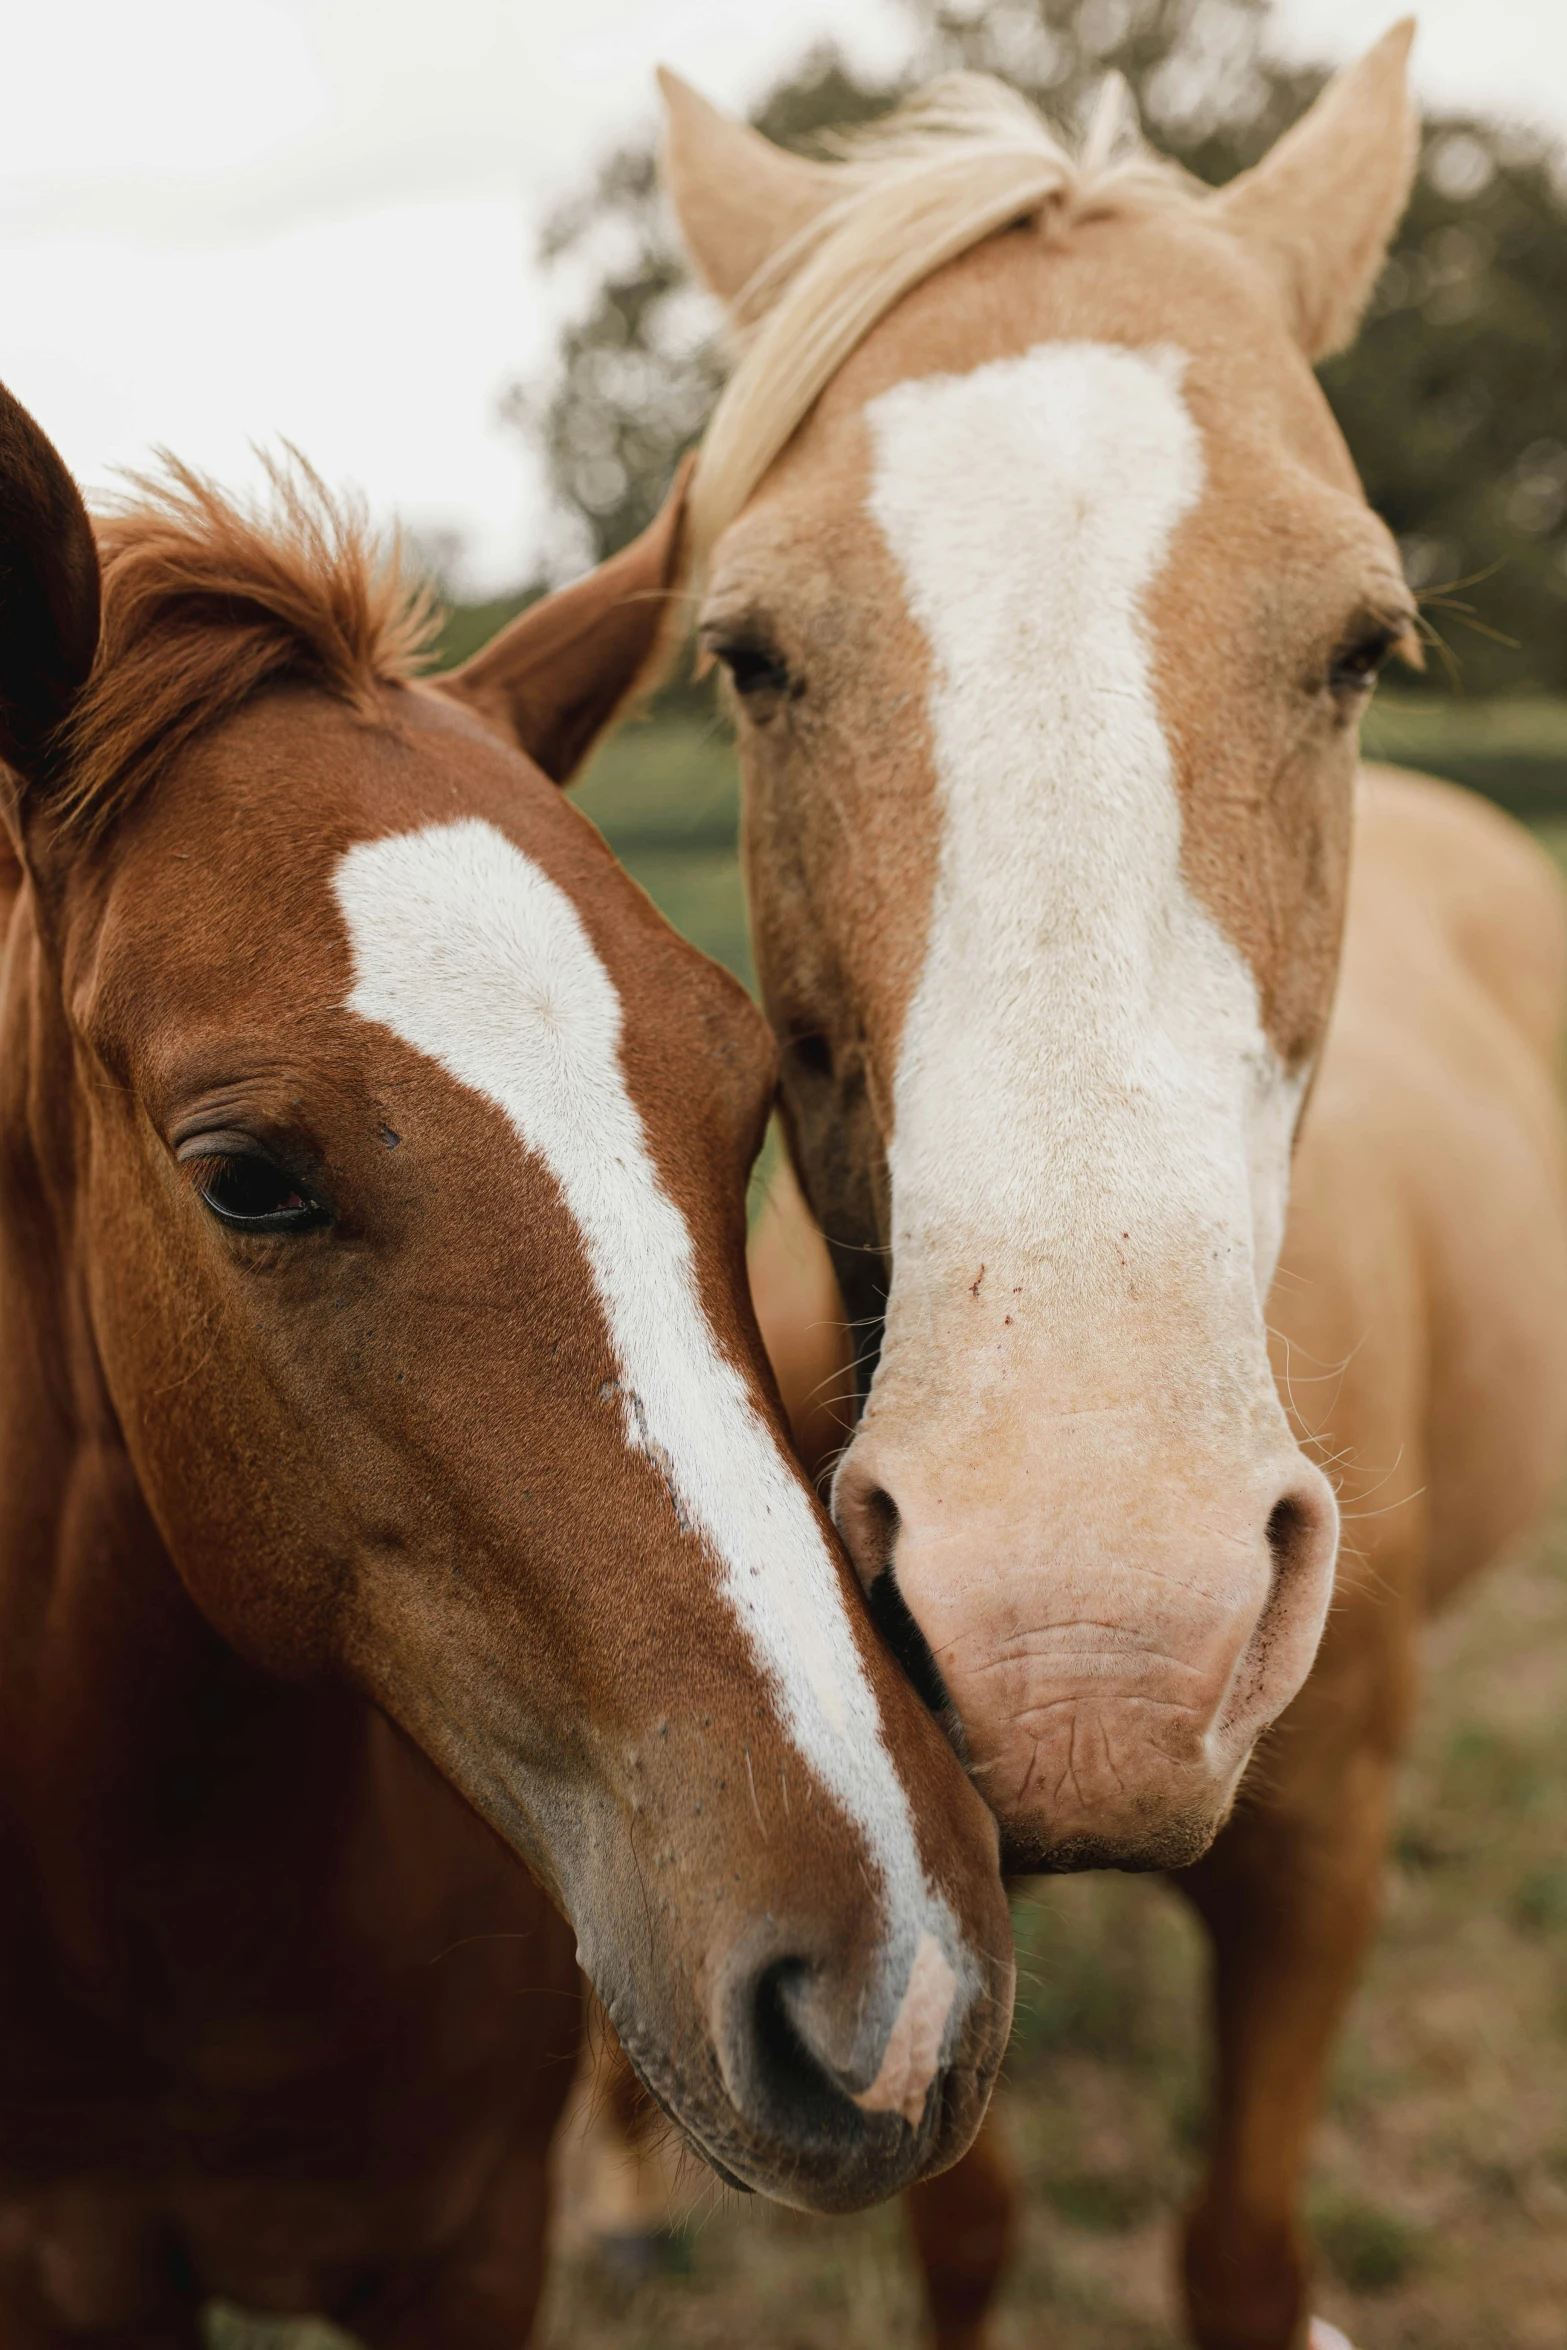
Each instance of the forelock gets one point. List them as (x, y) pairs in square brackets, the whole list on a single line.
[(207, 601)]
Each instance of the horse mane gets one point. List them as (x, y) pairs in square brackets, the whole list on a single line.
[(954, 164), (207, 600)]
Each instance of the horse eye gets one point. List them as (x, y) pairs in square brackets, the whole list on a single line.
[(1358, 664), (754, 670), (251, 1194)]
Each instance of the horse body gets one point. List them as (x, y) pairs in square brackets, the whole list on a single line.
[(400, 1553), (1422, 1273), (1420, 1342), (1050, 602), (297, 2038)]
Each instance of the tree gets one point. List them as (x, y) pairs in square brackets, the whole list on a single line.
[(638, 372), (1454, 400)]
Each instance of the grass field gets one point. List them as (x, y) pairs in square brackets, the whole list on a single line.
[(665, 794)]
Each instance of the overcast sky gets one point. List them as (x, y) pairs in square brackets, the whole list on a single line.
[(225, 221)]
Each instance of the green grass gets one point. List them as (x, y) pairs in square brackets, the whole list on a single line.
[(1540, 1902), (227, 2328), (664, 792), (665, 783), (466, 628)]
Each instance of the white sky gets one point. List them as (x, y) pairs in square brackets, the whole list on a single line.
[(226, 221)]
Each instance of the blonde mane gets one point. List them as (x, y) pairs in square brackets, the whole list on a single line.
[(950, 167)]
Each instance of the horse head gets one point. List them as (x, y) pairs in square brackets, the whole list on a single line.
[(1050, 603), (381, 1155)]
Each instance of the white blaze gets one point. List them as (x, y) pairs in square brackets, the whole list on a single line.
[(466, 950), (913, 2049), (1083, 1057)]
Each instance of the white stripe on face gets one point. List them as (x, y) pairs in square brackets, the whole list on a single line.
[(1083, 1058), (466, 950)]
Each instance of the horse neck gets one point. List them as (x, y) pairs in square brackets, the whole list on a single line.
[(120, 1708)]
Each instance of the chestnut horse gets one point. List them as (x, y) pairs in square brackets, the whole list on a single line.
[(1050, 603), (404, 1578)]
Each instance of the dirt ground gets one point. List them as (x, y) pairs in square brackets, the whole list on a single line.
[(1440, 2192)]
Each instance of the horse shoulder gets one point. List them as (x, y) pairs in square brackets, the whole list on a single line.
[(1487, 882)]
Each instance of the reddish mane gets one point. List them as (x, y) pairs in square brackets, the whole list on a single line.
[(207, 601)]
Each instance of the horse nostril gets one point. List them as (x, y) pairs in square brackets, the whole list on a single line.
[(891, 1617), (796, 2091), (869, 1521), (1302, 1538), (792, 2034), (1284, 1532), (1299, 1525), (777, 2073), (846, 2066)]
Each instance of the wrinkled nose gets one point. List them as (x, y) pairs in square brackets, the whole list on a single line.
[(864, 2072), (1104, 1660)]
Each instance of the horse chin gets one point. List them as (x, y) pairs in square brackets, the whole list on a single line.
[(1032, 1845), (1028, 1848)]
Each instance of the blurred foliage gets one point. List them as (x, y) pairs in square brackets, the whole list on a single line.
[(638, 372), (665, 796), (1512, 747), (1454, 400), (1540, 1903)]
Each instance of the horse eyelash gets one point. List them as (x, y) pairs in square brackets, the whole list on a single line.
[(199, 1172)]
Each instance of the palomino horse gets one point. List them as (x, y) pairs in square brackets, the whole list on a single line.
[(1050, 602), (392, 1489)]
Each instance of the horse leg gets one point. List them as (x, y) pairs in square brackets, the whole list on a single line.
[(964, 2224), (1290, 1899)]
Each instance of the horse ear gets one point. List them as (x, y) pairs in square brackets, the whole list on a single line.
[(1322, 206), (49, 591), (738, 198), (554, 678)]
